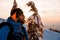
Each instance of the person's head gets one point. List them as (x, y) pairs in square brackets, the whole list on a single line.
[(17, 15)]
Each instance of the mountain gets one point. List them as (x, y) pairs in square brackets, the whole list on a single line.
[(53, 28)]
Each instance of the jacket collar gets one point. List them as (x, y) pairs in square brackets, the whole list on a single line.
[(10, 20)]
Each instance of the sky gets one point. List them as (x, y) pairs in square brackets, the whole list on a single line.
[(49, 10)]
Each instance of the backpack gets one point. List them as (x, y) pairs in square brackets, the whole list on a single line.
[(11, 36)]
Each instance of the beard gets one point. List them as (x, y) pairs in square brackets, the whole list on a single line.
[(21, 21)]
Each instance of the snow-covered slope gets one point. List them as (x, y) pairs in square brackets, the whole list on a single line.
[(2, 20), (50, 35)]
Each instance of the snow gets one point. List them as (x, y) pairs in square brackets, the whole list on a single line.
[(50, 35)]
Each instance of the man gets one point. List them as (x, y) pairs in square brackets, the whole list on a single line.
[(16, 19)]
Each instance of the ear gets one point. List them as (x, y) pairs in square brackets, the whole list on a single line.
[(14, 16)]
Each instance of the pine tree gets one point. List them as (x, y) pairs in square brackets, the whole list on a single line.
[(35, 26), (14, 4)]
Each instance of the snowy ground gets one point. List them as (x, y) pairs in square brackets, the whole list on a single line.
[(50, 35)]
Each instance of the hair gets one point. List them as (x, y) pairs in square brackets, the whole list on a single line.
[(18, 12)]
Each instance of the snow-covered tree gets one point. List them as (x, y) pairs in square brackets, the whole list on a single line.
[(35, 25), (14, 4)]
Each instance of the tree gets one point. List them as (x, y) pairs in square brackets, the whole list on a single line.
[(35, 25), (14, 4)]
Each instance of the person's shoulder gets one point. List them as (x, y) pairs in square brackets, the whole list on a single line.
[(5, 28)]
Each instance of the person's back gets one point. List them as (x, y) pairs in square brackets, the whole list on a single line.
[(19, 30)]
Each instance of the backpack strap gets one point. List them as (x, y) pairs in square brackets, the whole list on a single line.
[(2, 24), (10, 27), (8, 24)]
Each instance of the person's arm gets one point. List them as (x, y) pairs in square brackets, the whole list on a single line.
[(4, 32)]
